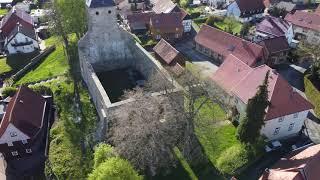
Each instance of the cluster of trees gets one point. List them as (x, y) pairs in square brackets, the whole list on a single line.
[(277, 12), (310, 52), (108, 165)]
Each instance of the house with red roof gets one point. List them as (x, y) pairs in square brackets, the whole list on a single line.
[(246, 10), (24, 125), (306, 25), (288, 109), (299, 165), (219, 44), (170, 57), (18, 33)]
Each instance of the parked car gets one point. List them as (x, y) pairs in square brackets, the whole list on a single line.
[(272, 146)]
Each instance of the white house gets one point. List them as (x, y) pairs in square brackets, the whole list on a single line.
[(186, 21), (246, 10), (288, 109), (272, 27), (218, 3), (21, 40)]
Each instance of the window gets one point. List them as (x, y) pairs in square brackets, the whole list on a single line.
[(109, 12), (281, 119), (24, 141), (97, 13), (305, 30), (158, 36), (10, 144), (177, 35), (291, 126), (28, 151), (296, 115), (276, 131), (14, 153), (13, 134)]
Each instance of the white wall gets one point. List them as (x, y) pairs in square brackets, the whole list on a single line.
[(187, 24), (270, 126), (233, 10), (6, 137), (313, 37), (24, 49)]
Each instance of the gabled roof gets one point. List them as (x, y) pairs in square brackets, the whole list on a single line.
[(166, 51), (310, 20), (276, 44), (166, 22), (139, 20), (163, 6), (16, 15), (273, 26), (250, 5), (25, 111), (100, 3), (23, 30), (225, 44), (242, 81), (299, 165)]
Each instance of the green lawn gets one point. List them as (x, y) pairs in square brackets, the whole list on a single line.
[(191, 10), (54, 65), (4, 67), (313, 94), (3, 12), (236, 26)]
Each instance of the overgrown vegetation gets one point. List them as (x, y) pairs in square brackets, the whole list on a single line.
[(226, 24), (313, 94)]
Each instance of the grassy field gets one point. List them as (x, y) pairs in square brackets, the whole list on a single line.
[(226, 22), (191, 10), (313, 94), (4, 67), (54, 65), (3, 12)]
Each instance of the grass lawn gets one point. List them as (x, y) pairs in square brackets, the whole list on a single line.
[(53, 65), (236, 26), (191, 10), (313, 94), (3, 12), (4, 67)]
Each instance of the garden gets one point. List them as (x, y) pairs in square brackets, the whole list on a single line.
[(313, 93)]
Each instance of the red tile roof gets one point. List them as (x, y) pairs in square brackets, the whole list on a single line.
[(299, 165), (166, 51), (275, 45), (13, 17), (225, 44), (251, 5), (139, 20), (25, 111), (243, 81), (310, 20), (166, 22), (318, 10)]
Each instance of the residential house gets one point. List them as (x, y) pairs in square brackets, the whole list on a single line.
[(170, 57), (4, 3), (139, 22), (306, 25), (166, 26), (186, 21), (298, 165), (18, 33), (219, 44), (272, 27), (24, 125), (137, 4), (288, 109), (246, 10), (276, 50)]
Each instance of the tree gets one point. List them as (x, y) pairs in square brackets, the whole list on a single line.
[(245, 29), (277, 12), (312, 52), (114, 168), (9, 91), (146, 130), (249, 129), (102, 153)]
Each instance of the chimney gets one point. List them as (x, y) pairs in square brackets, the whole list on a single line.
[(14, 9)]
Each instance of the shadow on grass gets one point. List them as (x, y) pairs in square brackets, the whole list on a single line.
[(18, 61), (315, 82)]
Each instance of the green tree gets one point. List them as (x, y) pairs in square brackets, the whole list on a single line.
[(250, 126), (102, 153), (114, 168), (9, 91), (306, 50), (245, 29), (277, 12)]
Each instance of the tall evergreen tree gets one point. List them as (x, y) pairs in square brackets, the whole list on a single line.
[(250, 126)]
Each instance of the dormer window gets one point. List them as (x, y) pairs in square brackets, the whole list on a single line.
[(28, 151), (13, 134), (24, 141), (14, 153)]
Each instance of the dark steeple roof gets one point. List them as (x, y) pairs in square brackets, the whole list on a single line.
[(101, 3)]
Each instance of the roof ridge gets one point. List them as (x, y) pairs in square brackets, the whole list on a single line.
[(235, 36), (251, 70)]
